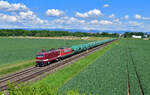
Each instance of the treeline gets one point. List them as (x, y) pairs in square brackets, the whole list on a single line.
[(47, 33), (129, 34)]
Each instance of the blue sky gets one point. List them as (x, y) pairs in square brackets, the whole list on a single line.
[(114, 15)]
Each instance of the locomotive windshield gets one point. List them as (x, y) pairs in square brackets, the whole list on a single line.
[(40, 56)]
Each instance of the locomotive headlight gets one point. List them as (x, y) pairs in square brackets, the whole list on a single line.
[(45, 60)]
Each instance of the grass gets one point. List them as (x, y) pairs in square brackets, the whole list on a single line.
[(19, 53), (57, 79)]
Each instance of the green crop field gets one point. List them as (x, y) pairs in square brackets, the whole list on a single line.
[(14, 50), (140, 50), (105, 72), (108, 76)]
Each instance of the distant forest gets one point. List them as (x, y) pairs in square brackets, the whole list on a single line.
[(47, 33)]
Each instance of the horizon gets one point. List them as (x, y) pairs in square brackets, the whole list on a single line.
[(78, 30), (96, 15)]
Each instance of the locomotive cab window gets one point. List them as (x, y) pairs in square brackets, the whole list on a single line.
[(40, 56)]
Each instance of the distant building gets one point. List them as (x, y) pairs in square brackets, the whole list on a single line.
[(138, 37), (145, 36), (85, 38), (120, 35), (100, 32)]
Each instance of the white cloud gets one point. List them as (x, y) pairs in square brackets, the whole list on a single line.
[(117, 21), (146, 18), (112, 16), (17, 15), (94, 22), (30, 17), (105, 22), (106, 5), (27, 15), (134, 23), (8, 18), (95, 12), (5, 6), (68, 20), (84, 15), (102, 22), (126, 17), (74, 20), (54, 12), (137, 16), (91, 13)]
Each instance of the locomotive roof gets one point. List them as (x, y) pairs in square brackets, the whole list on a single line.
[(49, 51)]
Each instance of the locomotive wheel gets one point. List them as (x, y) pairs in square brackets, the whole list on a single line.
[(58, 59), (47, 63), (36, 65), (42, 65)]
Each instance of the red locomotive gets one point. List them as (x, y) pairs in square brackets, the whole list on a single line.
[(46, 57)]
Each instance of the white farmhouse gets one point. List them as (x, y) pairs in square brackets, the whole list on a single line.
[(138, 37)]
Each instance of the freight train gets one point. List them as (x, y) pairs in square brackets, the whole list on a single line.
[(46, 57)]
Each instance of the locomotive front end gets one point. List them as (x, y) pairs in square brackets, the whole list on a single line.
[(40, 59)]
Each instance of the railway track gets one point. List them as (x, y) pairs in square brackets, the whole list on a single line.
[(33, 72)]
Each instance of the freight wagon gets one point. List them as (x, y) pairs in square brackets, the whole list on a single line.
[(46, 57)]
